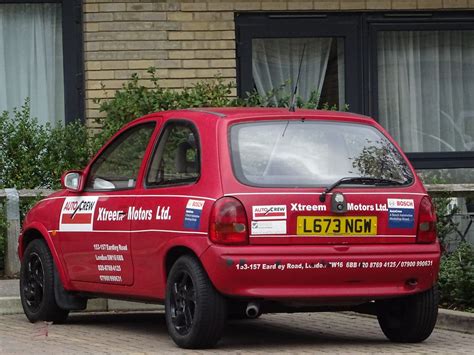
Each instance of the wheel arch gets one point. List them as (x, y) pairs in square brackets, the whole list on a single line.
[(38, 231), (173, 254), (180, 246)]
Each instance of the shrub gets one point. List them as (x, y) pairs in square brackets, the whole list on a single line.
[(136, 99), (35, 156), (139, 97), (456, 278)]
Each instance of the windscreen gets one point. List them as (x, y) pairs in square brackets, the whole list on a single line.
[(313, 153)]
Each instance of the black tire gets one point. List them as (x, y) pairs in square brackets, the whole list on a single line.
[(37, 284), (195, 311), (409, 319)]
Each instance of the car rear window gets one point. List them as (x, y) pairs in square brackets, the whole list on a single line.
[(312, 153)]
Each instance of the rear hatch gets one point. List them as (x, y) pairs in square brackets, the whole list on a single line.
[(322, 182)]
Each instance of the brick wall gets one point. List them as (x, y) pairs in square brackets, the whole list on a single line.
[(186, 40)]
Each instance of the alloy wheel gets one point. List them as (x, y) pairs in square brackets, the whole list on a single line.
[(33, 288), (183, 303)]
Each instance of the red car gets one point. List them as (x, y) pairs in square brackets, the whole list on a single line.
[(235, 212)]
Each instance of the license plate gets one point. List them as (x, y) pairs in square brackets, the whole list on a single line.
[(327, 226)]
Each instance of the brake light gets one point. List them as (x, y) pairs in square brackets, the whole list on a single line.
[(228, 222), (426, 222)]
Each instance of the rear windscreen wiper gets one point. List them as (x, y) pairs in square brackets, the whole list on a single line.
[(361, 180)]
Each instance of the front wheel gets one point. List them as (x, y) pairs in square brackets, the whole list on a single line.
[(37, 284), (409, 319), (195, 311)]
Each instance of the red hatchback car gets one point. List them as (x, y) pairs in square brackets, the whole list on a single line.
[(236, 212)]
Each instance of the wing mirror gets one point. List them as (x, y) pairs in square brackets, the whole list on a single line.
[(72, 180)]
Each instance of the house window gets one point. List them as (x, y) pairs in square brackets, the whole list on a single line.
[(275, 63), (425, 89), (412, 72), (31, 59), (38, 61)]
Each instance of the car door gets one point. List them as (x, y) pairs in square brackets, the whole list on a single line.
[(171, 201), (94, 229)]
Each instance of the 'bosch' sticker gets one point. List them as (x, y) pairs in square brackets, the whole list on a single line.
[(401, 213), (192, 216)]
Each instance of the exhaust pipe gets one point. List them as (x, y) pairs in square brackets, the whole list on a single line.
[(252, 310)]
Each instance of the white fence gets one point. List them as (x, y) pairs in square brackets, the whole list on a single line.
[(12, 204)]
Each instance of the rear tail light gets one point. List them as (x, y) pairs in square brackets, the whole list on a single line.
[(426, 222), (228, 222)]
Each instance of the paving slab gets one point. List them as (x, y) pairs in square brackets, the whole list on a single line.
[(10, 305), (9, 288)]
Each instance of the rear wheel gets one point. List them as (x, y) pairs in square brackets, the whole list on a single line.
[(195, 311), (409, 319), (37, 284)]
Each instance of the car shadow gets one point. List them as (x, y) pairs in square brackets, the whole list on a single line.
[(136, 322), (269, 331), (272, 333)]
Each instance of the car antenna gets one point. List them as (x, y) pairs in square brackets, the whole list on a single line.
[(293, 96)]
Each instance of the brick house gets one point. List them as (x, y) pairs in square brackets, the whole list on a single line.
[(408, 63)]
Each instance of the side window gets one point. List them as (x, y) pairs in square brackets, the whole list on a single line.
[(176, 157), (118, 165)]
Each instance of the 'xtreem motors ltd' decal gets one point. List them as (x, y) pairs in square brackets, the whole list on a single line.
[(134, 214), (77, 213)]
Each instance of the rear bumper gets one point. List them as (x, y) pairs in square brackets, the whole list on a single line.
[(323, 273)]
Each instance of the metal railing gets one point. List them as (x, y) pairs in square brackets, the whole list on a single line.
[(13, 196), (450, 190)]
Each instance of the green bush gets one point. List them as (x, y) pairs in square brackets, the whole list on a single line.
[(136, 99), (34, 155), (141, 96), (456, 278)]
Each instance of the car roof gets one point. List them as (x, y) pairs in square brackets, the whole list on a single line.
[(231, 113)]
